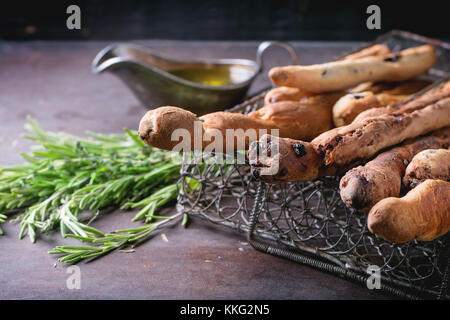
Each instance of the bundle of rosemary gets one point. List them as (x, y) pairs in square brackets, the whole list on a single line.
[(68, 175)]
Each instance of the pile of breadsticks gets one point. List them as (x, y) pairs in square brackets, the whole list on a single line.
[(333, 116)]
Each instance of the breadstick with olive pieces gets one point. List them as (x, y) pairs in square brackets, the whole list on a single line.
[(365, 138), (287, 160), (343, 146), (428, 164), (422, 214), (362, 187), (341, 75), (293, 94)]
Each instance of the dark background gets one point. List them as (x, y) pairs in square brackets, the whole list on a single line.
[(219, 20)]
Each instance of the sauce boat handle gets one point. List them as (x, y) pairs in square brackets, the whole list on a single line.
[(267, 44)]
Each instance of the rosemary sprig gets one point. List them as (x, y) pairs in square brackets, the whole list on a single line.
[(108, 242), (66, 175)]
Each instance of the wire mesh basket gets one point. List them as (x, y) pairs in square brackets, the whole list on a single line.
[(308, 222)]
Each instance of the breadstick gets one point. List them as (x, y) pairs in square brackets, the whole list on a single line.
[(293, 94), (349, 106), (306, 118), (290, 157), (299, 120), (387, 99), (428, 164), (423, 214), (362, 187), (284, 94), (341, 147), (419, 101), (158, 125), (365, 138), (341, 75)]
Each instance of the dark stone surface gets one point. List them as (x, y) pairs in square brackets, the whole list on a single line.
[(52, 82)]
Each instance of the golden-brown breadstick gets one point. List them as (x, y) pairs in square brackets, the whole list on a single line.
[(284, 94), (423, 214), (362, 187), (424, 99), (428, 164), (293, 94), (341, 75), (349, 106), (306, 118), (299, 120)]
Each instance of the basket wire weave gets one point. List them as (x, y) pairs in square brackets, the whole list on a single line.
[(308, 223)]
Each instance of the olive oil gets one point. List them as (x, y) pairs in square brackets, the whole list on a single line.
[(215, 75)]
